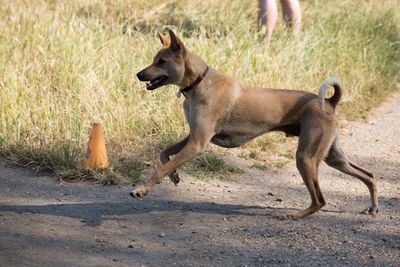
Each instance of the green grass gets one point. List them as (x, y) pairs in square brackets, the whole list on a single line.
[(209, 166), (66, 64), (261, 166)]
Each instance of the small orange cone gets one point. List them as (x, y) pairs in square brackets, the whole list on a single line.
[(96, 154)]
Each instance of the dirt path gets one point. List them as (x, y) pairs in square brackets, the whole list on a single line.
[(47, 223)]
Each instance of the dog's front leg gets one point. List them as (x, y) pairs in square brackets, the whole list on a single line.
[(196, 144), (172, 150)]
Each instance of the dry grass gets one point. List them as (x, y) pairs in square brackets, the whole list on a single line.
[(65, 64)]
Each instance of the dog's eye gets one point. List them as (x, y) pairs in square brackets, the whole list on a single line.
[(161, 61)]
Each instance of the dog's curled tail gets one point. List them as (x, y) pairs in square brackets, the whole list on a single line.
[(337, 85)]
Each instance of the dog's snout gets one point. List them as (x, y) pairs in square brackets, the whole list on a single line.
[(140, 75)]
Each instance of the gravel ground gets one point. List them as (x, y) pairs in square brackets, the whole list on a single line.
[(45, 222)]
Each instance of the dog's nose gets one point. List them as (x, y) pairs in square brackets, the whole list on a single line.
[(140, 75)]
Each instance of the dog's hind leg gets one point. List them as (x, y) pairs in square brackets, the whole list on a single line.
[(308, 168), (172, 150), (337, 159), (314, 141)]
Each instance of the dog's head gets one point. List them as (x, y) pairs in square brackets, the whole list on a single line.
[(168, 65)]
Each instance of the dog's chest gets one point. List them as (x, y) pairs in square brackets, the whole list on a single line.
[(230, 136), (228, 140)]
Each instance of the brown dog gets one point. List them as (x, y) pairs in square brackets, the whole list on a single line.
[(228, 113)]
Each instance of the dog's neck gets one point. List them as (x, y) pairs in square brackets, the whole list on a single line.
[(194, 68)]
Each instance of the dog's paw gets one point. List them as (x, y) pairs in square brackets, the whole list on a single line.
[(279, 216), (139, 192), (292, 217), (174, 176), (370, 211), (284, 217)]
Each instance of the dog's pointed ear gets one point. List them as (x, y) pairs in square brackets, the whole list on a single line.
[(176, 44), (164, 40)]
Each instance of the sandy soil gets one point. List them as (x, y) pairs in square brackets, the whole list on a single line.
[(44, 222)]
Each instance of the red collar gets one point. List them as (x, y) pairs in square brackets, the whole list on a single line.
[(194, 83)]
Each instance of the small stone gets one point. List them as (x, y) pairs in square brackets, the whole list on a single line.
[(130, 246), (278, 199), (162, 234)]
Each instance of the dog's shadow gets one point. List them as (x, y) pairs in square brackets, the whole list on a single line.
[(93, 214)]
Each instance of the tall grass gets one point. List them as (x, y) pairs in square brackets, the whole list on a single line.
[(65, 64)]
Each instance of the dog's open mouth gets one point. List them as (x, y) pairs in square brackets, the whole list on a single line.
[(153, 84)]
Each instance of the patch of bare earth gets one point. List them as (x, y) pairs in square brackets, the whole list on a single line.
[(44, 222)]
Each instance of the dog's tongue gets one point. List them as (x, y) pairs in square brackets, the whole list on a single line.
[(151, 83), (156, 81)]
